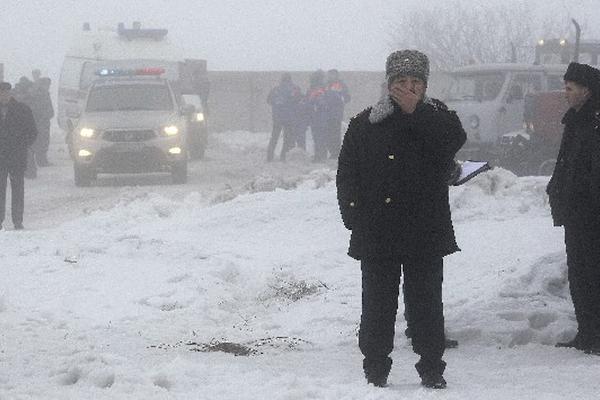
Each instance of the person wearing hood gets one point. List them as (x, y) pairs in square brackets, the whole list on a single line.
[(392, 189), (574, 195), (17, 134)]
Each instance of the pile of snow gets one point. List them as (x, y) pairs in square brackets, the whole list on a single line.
[(153, 297)]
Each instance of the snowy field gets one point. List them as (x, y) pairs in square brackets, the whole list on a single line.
[(237, 286)]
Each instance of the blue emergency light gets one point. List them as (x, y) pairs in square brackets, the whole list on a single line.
[(115, 72)]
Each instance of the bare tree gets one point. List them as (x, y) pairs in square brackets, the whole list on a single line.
[(454, 33)]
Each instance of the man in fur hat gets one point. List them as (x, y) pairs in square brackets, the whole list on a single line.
[(393, 195), (574, 193)]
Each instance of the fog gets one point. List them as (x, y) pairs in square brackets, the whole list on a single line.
[(231, 34)]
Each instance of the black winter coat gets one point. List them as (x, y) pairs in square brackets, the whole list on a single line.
[(392, 181), (284, 100), (17, 133), (574, 189)]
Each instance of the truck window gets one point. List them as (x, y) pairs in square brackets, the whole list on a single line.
[(480, 87), (71, 72), (138, 97)]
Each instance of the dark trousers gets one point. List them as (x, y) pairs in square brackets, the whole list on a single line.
[(583, 262), (31, 171), (301, 136), (288, 139), (423, 297), (319, 134), (333, 137), (42, 143), (17, 186)]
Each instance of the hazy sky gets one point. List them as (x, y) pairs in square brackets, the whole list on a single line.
[(230, 34)]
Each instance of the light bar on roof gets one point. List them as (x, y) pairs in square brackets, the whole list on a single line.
[(147, 71)]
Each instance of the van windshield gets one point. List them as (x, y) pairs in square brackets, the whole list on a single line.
[(479, 87), (139, 97)]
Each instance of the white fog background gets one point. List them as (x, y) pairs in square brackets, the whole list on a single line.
[(237, 34)]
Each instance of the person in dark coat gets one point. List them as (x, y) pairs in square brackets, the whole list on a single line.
[(23, 93), (43, 112), (17, 134), (574, 194), (283, 99), (336, 97), (392, 183)]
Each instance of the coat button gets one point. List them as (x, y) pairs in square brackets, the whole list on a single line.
[(351, 204), (391, 156), (388, 200)]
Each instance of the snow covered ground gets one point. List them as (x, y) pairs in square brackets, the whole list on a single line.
[(237, 286)]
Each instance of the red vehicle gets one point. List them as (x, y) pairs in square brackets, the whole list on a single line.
[(533, 150)]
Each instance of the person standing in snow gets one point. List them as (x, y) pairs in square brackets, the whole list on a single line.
[(574, 194), (392, 188), (283, 99), (43, 112), (17, 134), (336, 96), (23, 93), (318, 114)]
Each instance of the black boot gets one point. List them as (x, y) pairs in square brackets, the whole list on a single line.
[(433, 380), (576, 343), (570, 344), (377, 371)]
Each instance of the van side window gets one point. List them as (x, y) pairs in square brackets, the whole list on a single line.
[(523, 85), (71, 72)]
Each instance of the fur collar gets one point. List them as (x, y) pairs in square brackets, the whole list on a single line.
[(385, 107)]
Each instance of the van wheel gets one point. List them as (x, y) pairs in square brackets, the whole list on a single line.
[(179, 172), (83, 176)]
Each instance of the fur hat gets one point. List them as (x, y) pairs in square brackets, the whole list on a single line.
[(407, 63), (584, 75)]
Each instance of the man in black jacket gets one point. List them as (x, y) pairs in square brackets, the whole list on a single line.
[(17, 134), (284, 100), (574, 194), (393, 195)]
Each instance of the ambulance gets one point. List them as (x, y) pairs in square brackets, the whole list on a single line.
[(130, 48)]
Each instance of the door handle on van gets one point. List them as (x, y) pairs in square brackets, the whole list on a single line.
[(71, 101)]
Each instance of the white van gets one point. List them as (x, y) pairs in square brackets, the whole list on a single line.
[(119, 48), (489, 98)]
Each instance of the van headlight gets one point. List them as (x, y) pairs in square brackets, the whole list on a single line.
[(170, 130), (87, 133), (199, 117), (474, 121)]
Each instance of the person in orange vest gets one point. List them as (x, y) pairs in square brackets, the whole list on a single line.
[(318, 114), (336, 97)]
